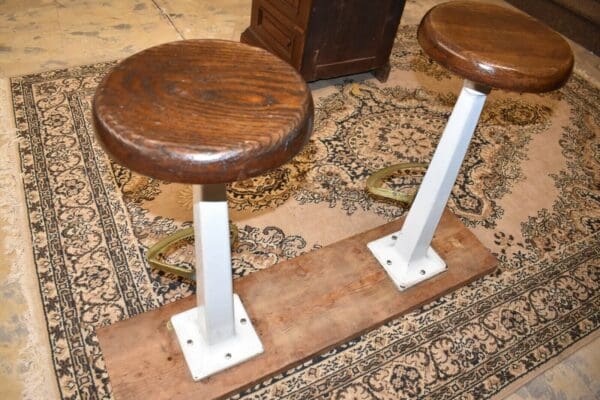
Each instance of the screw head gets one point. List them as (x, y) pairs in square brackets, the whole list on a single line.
[(422, 272), (190, 341), (228, 356), (389, 262)]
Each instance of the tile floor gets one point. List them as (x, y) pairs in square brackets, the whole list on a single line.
[(39, 35)]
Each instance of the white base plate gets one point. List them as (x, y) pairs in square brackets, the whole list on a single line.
[(402, 273), (204, 360)]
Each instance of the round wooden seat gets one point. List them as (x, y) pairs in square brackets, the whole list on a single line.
[(496, 46), (202, 112)]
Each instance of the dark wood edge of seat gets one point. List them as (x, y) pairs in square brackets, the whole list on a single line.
[(513, 81), (169, 165)]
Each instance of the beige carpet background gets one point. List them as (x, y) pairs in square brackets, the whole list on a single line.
[(26, 369), (529, 189)]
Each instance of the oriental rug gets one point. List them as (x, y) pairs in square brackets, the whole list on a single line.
[(529, 188)]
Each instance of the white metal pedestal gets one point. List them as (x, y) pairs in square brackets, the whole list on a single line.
[(218, 333), (407, 255)]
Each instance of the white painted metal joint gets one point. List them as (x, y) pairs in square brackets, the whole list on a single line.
[(403, 272), (204, 359), (217, 334), (407, 255)]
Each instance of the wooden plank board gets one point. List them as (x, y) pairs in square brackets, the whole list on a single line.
[(300, 308)]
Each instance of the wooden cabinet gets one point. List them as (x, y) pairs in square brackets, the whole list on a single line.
[(327, 38)]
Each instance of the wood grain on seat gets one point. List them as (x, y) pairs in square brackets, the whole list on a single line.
[(203, 111), (496, 46)]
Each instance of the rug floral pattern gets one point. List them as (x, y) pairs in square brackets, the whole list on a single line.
[(92, 221), (361, 129)]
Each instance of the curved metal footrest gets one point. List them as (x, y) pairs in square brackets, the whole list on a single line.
[(157, 250), (375, 182)]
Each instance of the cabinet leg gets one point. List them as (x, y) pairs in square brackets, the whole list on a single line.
[(382, 73)]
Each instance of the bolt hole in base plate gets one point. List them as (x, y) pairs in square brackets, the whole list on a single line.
[(204, 360), (402, 273)]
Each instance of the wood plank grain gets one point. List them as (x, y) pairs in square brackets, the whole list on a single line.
[(300, 308)]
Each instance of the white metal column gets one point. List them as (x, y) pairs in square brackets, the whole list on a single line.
[(218, 333), (407, 255)]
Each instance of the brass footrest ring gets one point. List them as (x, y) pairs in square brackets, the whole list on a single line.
[(375, 182), (158, 249)]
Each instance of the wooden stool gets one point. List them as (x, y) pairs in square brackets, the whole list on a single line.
[(214, 103), (490, 47), (205, 112)]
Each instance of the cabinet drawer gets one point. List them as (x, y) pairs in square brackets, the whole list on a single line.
[(279, 34), (295, 10)]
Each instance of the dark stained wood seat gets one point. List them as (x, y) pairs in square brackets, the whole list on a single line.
[(202, 112), (496, 46)]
